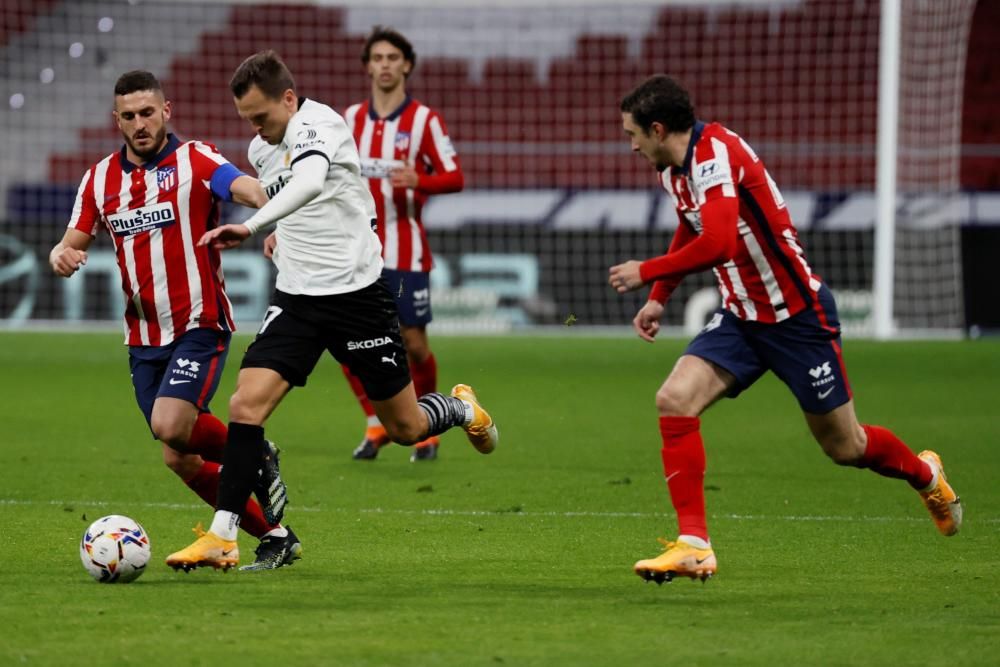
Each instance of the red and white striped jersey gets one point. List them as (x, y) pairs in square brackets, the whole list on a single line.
[(767, 279), (155, 214), (413, 134)]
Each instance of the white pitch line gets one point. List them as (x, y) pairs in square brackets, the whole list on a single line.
[(502, 512)]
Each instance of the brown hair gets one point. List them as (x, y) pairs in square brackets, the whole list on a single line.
[(264, 70), (660, 99), (136, 80), (394, 37)]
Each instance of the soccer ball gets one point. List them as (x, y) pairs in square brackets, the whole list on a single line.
[(115, 549)]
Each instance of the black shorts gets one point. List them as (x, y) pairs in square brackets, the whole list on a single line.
[(360, 329)]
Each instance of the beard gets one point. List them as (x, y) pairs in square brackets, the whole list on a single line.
[(154, 147)]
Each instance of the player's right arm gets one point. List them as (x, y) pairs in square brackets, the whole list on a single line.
[(663, 288), (647, 320), (67, 256), (308, 175), (70, 254)]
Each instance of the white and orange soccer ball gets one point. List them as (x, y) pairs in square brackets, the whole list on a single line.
[(115, 549)]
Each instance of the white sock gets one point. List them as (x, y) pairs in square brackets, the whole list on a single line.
[(373, 421), (280, 531), (226, 525), (696, 542), (934, 478), (470, 413)]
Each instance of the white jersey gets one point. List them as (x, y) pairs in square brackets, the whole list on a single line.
[(327, 246)]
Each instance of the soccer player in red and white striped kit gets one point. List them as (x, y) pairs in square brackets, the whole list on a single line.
[(776, 315), (156, 197), (406, 155)]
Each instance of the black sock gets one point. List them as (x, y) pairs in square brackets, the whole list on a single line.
[(442, 412), (241, 463)]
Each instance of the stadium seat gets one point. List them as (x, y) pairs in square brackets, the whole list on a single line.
[(761, 87)]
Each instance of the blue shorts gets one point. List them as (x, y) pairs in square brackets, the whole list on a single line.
[(412, 292), (189, 368), (804, 351)]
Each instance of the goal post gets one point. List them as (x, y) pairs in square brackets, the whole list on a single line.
[(923, 49), (885, 177)]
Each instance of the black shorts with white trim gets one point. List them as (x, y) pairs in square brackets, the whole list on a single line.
[(360, 329)]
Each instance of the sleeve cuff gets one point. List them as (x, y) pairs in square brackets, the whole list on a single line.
[(649, 270)]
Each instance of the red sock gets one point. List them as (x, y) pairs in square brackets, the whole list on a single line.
[(359, 391), (889, 456), (206, 484), (208, 437), (684, 467), (425, 375)]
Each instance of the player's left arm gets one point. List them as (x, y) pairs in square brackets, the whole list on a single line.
[(247, 191), (437, 150)]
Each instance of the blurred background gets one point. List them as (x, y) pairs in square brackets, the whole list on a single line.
[(530, 94)]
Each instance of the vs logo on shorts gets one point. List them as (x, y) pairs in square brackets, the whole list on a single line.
[(188, 370), (166, 178)]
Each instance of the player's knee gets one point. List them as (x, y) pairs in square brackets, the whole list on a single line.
[(844, 449), (170, 432), (671, 402), (243, 409), (404, 433)]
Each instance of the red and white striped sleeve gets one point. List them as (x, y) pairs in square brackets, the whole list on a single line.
[(85, 214), (437, 150)]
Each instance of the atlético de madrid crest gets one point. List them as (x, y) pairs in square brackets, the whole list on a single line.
[(402, 141), (166, 178)]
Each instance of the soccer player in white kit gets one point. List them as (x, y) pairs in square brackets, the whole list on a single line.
[(328, 295)]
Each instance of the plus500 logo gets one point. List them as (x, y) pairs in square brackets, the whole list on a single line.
[(143, 219)]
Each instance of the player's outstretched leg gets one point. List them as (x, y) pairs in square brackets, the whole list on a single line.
[(941, 500), (271, 491), (679, 559), (462, 408), (274, 552), (209, 550), (480, 429)]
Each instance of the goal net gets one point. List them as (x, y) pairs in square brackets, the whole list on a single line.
[(529, 93)]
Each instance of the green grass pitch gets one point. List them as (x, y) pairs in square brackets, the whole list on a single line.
[(522, 557)]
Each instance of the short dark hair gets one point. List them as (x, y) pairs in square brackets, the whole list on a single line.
[(394, 37), (136, 80), (660, 99), (265, 70)]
